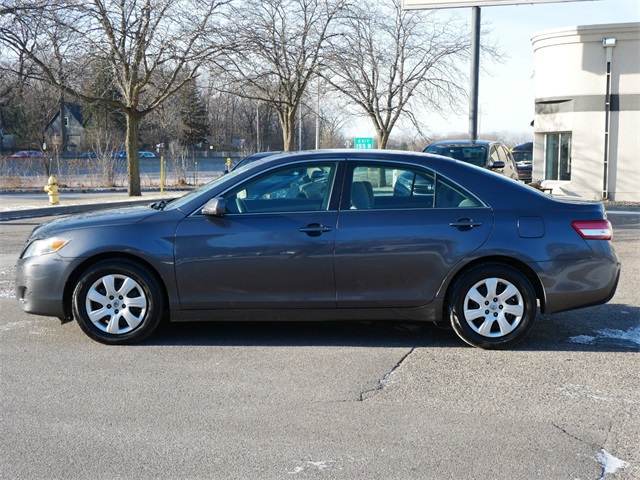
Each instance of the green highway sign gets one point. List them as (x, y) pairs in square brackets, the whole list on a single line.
[(364, 143)]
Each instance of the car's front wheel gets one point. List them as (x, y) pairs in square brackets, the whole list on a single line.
[(492, 306), (117, 302)]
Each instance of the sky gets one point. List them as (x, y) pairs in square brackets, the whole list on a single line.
[(506, 98)]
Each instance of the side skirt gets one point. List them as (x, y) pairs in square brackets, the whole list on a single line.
[(428, 313)]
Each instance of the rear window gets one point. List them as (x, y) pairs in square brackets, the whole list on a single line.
[(475, 155)]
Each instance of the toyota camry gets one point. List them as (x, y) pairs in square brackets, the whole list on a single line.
[(327, 235)]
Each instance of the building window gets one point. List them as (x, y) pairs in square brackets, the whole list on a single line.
[(558, 156)]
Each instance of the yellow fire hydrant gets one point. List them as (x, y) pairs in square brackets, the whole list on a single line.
[(52, 190)]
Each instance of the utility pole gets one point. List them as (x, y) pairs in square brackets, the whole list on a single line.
[(475, 73)]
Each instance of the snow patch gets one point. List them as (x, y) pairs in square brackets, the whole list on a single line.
[(321, 465), (583, 339), (578, 391), (632, 335), (13, 325), (609, 463), (583, 391)]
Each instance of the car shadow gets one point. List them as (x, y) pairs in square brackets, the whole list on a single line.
[(385, 334), (569, 331)]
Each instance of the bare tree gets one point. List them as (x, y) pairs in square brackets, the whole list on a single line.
[(388, 62), (16, 7), (181, 160), (280, 44), (103, 144), (153, 47)]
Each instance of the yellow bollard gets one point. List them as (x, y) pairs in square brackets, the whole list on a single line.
[(52, 190)]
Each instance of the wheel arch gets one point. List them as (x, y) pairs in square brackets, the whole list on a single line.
[(112, 256), (518, 265)]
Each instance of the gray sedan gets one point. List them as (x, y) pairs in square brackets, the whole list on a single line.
[(335, 235)]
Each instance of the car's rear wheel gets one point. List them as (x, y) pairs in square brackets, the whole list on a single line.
[(492, 306), (117, 302)]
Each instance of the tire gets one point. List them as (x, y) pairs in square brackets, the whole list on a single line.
[(492, 306), (117, 302)]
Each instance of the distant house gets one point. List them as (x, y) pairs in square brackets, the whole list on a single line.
[(71, 124)]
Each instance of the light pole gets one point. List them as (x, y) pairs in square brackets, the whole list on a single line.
[(300, 126), (475, 73), (258, 127), (318, 118)]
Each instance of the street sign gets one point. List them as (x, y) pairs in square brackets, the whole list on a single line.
[(363, 143), (428, 4)]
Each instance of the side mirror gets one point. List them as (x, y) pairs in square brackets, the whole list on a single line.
[(498, 164), (215, 207)]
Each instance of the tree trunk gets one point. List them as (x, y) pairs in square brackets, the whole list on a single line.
[(63, 127), (133, 163), (383, 138), (287, 119)]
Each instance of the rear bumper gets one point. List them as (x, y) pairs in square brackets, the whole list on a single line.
[(580, 284)]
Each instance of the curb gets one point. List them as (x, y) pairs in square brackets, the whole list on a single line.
[(68, 209)]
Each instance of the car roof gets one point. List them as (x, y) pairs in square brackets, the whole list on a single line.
[(482, 143), (523, 146), (423, 158)]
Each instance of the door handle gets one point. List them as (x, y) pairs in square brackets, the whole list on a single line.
[(464, 224), (315, 229)]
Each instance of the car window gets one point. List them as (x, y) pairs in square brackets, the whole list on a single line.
[(450, 195), (304, 187), (503, 156), (507, 155), (401, 187), (494, 156), (473, 154), (522, 156)]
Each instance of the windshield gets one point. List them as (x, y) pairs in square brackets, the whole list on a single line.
[(522, 156), (183, 200), (253, 158)]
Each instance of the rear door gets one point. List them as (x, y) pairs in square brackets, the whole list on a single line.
[(395, 248)]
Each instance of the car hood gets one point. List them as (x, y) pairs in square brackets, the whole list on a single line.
[(115, 216)]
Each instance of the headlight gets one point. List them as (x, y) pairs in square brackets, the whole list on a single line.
[(44, 246)]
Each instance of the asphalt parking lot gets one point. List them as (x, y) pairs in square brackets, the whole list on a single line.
[(354, 400)]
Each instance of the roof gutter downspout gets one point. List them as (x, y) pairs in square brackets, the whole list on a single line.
[(608, 44)]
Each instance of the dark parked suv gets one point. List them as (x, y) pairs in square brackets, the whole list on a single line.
[(523, 155), (482, 153)]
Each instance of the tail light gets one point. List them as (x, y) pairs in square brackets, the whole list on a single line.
[(593, 229)]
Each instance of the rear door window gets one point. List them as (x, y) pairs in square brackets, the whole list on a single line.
[(376, 186)]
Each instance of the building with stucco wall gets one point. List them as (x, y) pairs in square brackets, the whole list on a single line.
[(587, 111)]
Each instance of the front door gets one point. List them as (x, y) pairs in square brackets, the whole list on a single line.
[(272, 249)]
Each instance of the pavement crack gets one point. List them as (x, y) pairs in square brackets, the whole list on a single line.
[(381, 383), (571, 435)]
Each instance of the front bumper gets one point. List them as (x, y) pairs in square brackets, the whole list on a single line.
[(40, 284)]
